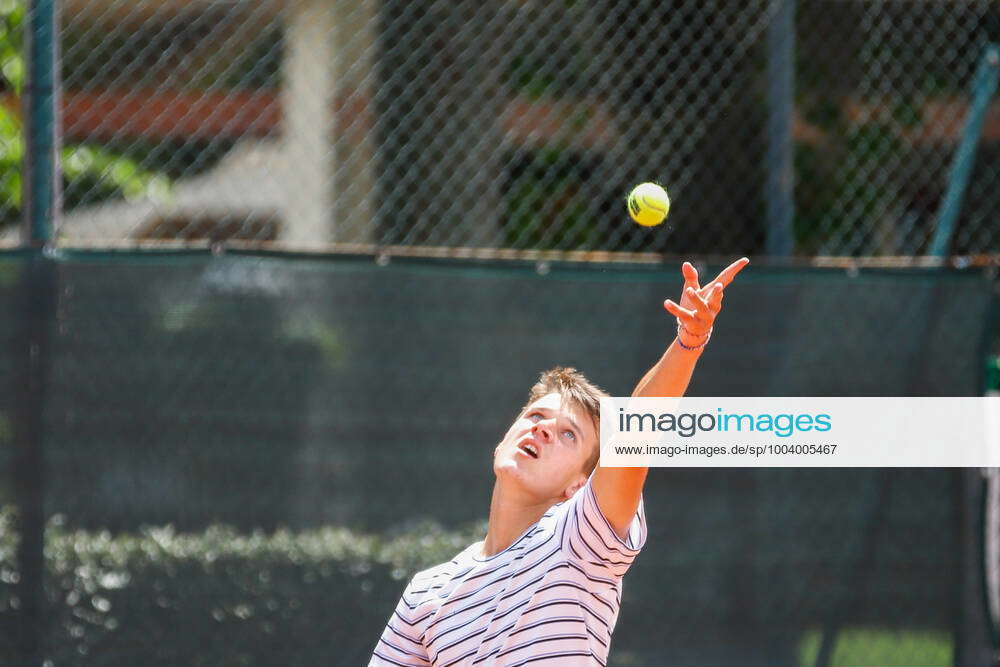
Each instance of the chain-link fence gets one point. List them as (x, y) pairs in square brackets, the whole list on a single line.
[(229, 397), (245, 459), (516, 124)]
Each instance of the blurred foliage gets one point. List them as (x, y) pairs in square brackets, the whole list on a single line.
[(90, 173), (546, 199), (11, 136), (213, 57), (836, 176), (859, 647), (11, 155), (11, 43), (540, 67), (220, 597)]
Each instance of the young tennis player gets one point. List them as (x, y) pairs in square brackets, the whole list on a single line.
[(544, 586)]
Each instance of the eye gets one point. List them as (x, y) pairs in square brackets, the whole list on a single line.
[(535, 417), (569, 435)]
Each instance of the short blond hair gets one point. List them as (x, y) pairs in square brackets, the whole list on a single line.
[(573, 386)]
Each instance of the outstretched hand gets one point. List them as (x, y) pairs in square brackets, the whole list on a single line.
[(699, 305)]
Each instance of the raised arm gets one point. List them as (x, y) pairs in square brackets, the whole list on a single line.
[(618, 489)]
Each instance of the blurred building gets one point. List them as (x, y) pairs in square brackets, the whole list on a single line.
[(518, 124)]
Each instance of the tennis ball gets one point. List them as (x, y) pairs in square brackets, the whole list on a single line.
[(648, 204)]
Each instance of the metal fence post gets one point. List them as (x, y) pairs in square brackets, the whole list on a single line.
[(36, 309), (780, 195), (41, 181), (983, 88)]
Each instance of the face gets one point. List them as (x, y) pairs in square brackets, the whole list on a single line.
[(546, 448)]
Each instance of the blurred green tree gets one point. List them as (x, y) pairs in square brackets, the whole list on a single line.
[(98, 172)]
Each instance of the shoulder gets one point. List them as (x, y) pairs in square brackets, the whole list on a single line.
[(430, 582), (590, 539), (448, 568)]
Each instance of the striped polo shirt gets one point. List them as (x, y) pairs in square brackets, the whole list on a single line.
[(550, 598)]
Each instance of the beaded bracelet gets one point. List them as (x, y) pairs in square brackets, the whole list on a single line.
[(681, 327)]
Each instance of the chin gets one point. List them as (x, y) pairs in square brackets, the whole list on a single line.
[(507, 468)]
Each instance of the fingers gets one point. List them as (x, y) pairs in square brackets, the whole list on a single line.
[(700, 302), (690, 275), (701, 314), (727, 274), (679, 312), (714, 298)]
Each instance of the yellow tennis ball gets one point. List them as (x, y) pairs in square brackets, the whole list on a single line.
[(648, 204)]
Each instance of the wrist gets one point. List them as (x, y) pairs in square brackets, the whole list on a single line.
[(691, 341)]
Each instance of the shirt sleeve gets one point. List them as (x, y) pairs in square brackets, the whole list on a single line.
[(589, 538), (401, 642)]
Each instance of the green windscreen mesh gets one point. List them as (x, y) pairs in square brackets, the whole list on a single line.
[(245, 458)]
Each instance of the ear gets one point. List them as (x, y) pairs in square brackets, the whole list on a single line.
[(577, 484)]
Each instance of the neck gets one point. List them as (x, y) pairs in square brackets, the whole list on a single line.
[(511, 513)]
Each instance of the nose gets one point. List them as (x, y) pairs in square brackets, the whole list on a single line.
[(543, 430)]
